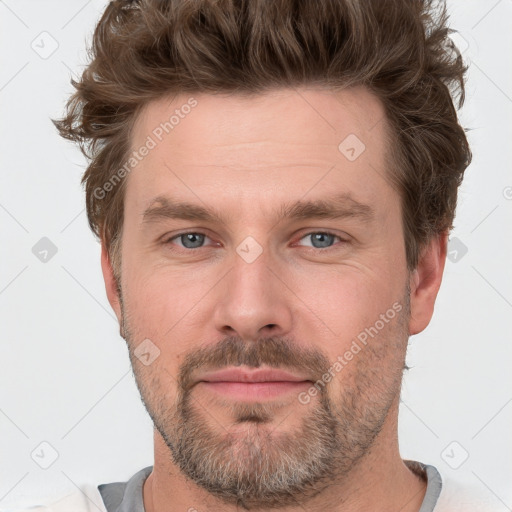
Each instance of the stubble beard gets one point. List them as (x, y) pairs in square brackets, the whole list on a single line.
[(263, 465)]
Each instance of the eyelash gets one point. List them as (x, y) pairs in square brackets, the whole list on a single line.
[(326, 249)]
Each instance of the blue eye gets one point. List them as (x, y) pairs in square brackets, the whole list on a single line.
[(190, 240), (194, 240), (321, 239)]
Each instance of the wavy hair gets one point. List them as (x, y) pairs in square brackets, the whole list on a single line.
[(401, 50)]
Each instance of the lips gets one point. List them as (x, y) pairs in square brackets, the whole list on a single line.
[(248, 376)]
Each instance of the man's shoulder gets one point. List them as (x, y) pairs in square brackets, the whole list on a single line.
[(463, 496), (448, 492), (105, 497), (85, 499)]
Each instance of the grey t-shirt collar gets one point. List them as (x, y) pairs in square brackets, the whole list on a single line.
[(125, 496), (128, 497)]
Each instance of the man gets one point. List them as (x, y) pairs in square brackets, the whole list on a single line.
[(273, 184)]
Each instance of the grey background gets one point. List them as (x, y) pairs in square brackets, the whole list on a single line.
[(64, 370)]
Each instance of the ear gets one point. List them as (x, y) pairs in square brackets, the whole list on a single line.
[(110, 282), (425, 282)]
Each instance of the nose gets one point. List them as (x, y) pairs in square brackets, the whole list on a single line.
[(253, 300)]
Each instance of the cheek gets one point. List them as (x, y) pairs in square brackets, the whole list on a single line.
[(349, 297), (356, 312), (163, 305), (155, 312)]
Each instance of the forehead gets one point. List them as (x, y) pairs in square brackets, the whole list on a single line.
[(272, 146), (304, 116)]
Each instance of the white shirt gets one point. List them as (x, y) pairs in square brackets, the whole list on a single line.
[(443, 494)]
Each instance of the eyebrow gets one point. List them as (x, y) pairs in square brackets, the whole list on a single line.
[(341, 206)]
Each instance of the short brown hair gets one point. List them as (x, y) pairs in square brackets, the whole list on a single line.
[(399, 49)]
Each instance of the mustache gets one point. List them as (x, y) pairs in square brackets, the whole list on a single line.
[(275, 352)]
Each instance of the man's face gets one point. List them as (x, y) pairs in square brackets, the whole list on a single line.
[(257, 288)]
